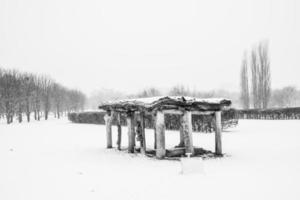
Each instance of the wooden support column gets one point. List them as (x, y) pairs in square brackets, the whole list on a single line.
[(143, 144), (187, 132), (108, 121), (181, 134), (218, 133), (154, 129), (119, 140), (131, 132), (160, 135)]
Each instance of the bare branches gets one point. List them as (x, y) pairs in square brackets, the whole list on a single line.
[(245, 96), (265, 74), (25, 93), (260, 77)]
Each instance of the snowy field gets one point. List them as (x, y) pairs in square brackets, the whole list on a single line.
[(60, 160)]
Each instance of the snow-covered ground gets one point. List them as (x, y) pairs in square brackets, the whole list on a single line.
[(60, 160)]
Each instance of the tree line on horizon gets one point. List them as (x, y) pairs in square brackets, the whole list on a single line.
[(288, 96), (26, 94)]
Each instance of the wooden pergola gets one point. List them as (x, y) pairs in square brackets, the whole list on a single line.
[(136, 109)]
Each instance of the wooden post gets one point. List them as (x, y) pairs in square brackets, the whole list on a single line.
[(181, 134), (108, 121), (131, 132), (187, 132), (143, 147), (218, 132), (119, 140), (160, 135), (154, 129)]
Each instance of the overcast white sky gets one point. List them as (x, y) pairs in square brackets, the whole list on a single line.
[(128, 45)]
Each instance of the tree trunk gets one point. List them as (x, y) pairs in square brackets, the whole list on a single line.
[(20, 118), (46, 115), (28, 116), (7, 118)]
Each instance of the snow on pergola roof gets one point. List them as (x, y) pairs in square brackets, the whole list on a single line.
[(166, 102)]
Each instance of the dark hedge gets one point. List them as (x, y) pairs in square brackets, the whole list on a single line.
[(201, 123), (272, 114)]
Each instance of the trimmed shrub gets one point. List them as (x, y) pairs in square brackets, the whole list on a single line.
[(271, 114), (201, 123)]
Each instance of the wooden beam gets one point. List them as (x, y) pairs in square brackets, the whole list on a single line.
[(187, 132), (108, 121), (202, 112), (131, 132), (179, 112), (160, 135), (173, 112), (218, 133), (119, 140)]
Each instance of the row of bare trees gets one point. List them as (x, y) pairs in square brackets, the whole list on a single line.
[(288, 96), (26, 94), (260, 78)]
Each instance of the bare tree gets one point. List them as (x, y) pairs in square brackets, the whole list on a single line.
[(179, 90), (46, 86), (29, 88), (76, 100), (149, 92), (265, 74), (255, 74), (59, 93), (20, 96), (261, 75), (285, 97), (245, 97), (37, 97), (9, 93), (24, 93)]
